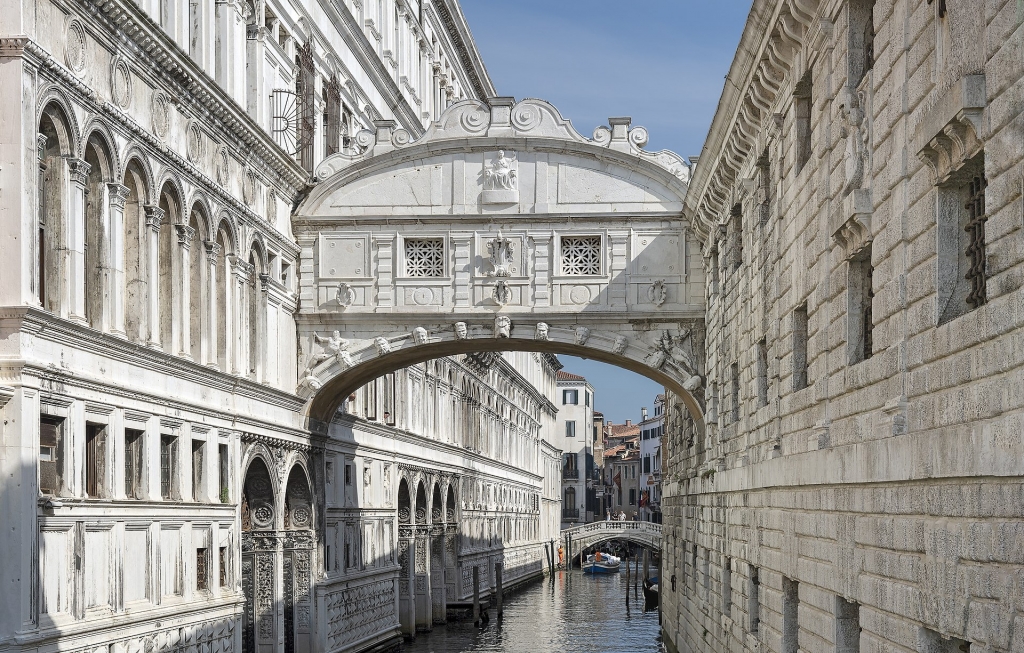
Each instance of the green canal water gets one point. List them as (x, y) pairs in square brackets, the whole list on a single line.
[(570, 613)]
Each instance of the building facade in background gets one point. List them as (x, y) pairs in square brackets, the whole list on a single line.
[(576, 422), (854, 485), (621, 474), (652, 428), (161, 490)]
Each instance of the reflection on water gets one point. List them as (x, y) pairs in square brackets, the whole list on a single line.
[(570, 614)]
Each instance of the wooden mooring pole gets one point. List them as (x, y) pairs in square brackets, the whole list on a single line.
[(497, 582), (647, 564), (476, 595)]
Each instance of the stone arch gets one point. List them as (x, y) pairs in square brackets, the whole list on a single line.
[(258, 496), (297, 511), (137, 180), (57, 143), (436, 505), (404, 502), (422, 510), (198, 273), (97, 128), (134, 156), (55, 103), (451, 504), (98, 154), (171, 206)]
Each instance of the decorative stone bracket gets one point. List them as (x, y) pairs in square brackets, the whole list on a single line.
[(949, 134), (851, 224)]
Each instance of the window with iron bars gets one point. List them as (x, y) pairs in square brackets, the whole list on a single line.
[(332, 117), (305, 90), (975, 229)]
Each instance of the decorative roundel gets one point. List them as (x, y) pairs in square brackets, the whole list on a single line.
[(263, 515), (120, 84), (249, 188), (161, 115), (300, 516), (271, 205), (526, 118), (223, 169), (194, 142), (580, 295), (475, 120), (74, 46), (423, 296)]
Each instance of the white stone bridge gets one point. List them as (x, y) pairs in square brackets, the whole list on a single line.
[(501, 228), (644, 533)]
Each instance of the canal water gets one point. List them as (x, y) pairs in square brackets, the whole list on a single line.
[(570, 613)]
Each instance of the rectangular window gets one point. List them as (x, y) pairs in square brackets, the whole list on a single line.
[(225, 461), (727, 587), (861, 57), (762, 372), (133, 441), (647, 464), (424, 257), (754, 601), (348, 474), (305, 90), (766, 190), (168, 465), (803, 104), (736, 236), (859, 296), (95, 459), (704, 561), (570, 397), (201, 571), (388, 399), (693, 567), (223, 560), (198, 460), (632, 496), (332, 116), (790, 616), (51, 470), (800, 347), (847, 626), (714, 271), (581, 255), (735, 387), (570, 429), (586, 395), (961, 241)]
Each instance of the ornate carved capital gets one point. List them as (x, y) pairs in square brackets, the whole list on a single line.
[(212, 250), (41, 146), (185, 235), (154, 216), (78, 170), (14, 46), (118, 195)]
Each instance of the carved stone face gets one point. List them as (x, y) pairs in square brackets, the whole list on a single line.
[(620, 344), (502, 327), (542, 331), (582, 335), (383, 346), (419, 334), (461, 331)]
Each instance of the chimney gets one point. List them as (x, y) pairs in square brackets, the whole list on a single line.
[(629, 422), (643, 414)]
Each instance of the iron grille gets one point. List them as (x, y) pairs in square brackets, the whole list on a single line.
[(201, 571), (284, 123), (976, 240), (333, 125), (305, 88)]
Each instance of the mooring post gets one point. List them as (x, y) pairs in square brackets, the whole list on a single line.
[(497, 583), (627, 575), (476, 595), (636, 578), (647, 565)]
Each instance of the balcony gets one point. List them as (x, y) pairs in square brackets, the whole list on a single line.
[(570, 474), (570, 513)]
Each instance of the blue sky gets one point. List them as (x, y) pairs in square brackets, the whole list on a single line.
[(662, 62)]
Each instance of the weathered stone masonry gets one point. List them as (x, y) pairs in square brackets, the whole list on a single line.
[(859, 487)]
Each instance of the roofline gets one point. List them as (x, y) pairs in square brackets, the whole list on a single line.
[(451, 14)]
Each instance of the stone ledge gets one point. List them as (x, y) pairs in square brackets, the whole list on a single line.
[(949, 133)]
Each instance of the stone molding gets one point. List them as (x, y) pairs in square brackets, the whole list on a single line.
[(950, 133)]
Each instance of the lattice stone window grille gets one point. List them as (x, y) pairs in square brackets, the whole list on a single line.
[(424, 257), (581, 255)]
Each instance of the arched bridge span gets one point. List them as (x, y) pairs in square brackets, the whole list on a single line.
[(501, 228), (639, 532)]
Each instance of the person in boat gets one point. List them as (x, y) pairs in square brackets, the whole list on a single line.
[(597, 557)]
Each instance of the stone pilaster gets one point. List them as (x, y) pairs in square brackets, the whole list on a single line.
[(74, 299), (117, 195)]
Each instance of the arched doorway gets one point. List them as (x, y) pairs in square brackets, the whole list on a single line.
[(277, 552)]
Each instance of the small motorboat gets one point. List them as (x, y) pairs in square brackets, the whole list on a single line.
[(651, 594), (601, 563)]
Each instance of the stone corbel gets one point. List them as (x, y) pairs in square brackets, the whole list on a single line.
[(822, 39), (851, 228), (154, 216), (949, 135)]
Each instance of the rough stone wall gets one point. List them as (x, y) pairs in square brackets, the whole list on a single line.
[(889, 489)]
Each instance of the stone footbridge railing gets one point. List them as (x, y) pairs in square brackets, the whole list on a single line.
[(641, 532)]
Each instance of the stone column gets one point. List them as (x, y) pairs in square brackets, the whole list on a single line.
[(261, 344), (74, 299), (406, 602), (244, 276), (210, 330), (255, 51), (154, 216), (451, 562), (438, 604), (424, 619), (118, 195), (185, 236)]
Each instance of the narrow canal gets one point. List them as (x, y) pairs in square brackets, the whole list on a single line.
[(572, 613)]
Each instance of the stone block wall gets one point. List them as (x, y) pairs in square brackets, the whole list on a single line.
[(872, 488)]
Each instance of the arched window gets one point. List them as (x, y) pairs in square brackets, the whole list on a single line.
[(298, 507), (197, 284), (170, 204), (97, 255), (222, 290), (421, 504), (54, 142), (436, 506), (404, 503), (133, 241)]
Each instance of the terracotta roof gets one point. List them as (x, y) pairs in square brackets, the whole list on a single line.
[(562, 375), (622, 430)]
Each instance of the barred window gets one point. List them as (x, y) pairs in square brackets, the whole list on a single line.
[(581, 255), (424, 257)]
